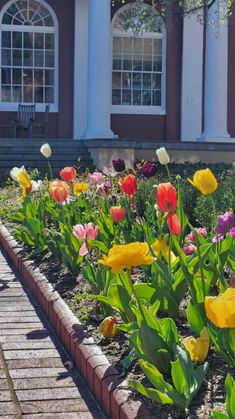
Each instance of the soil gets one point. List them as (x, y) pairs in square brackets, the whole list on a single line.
[(76, 293)]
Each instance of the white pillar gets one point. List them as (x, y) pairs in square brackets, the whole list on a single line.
[(192, 70), (80, 68), (216, 80), (99, 71)]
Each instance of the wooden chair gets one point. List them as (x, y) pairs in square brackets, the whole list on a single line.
[(41, 127), (25, 117)]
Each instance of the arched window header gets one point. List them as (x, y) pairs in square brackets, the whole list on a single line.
[(138, 19), (28, 13)]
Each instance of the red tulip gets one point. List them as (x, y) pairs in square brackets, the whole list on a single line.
[(166, 197), (68, 174), (128, 185), (117, 213), (173, 223), (59, 190)]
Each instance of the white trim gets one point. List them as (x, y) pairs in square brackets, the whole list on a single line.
[(132, 110), (80, 68), (192, 72), (12, 106)]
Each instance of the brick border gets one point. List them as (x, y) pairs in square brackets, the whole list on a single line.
[(102, 378)]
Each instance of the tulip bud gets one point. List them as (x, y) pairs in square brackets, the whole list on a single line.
[(108, 327), (46, 151), (117, 213), (163, 156)]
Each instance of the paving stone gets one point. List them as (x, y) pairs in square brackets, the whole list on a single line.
[(48, 394), (37, 372), (54, 406), (35, 363), (7, 408), (17, 326), (25, 344), (26, 319), (46, 382), (39, 353), (3, 384), (5, 396)]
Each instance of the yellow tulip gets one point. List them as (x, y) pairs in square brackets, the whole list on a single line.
[(161, 249), (198, 347), (127, 256), (109, 327), (24, 180), (221, 310), (205, 181), (78, 188)]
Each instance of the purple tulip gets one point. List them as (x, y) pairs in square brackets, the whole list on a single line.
[(119, 165), (224, 223), (148, 169), (232, 232)]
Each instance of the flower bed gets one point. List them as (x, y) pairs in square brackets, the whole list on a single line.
[(161, 288)]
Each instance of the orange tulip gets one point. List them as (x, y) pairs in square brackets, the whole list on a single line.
[(117, 213), (173, 223), (59, 190), (128, 185), (166, 197), (68, 174)]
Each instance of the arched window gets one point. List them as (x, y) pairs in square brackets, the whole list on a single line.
[(28, 54), (138, 64)]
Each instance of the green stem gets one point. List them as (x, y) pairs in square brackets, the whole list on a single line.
[(136, 297), (169, 255), (214, 214), (168, 173), (50, 170)]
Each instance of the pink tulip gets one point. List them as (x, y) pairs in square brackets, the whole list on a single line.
[(200, 230), (87, 232), (188, 250), (95, 177)]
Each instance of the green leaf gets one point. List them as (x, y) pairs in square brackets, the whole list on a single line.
[(98, 245), (218, 415), (151, 393), (195, 317)]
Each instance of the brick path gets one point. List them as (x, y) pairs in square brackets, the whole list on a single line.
[(33, 380)]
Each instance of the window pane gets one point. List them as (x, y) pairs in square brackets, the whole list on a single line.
[(126, 80), (6, 94), (147, 97), (17, 39), (28, 94), (6, 39), (157, 63), (49, 94), (38, 40), (116, 97), (6, 57), (7, 19), (49, 22), (116, 83), (117, 44), (137, 63), (137, 45), (147, 46), (49, 59), (157, 81), (137, 80), (157, 46), (38, 94), (38, 58), (17, 57), (28, 40), (6, 76), (147, 63), (49, 77), (17, 76), (136, 97), (38, 77), (147, 81), (126, 97), (28, 77), (28, 58), (127, 62), (127, 45), (49, 41), (17, 94), (117, 62), (156, 98)]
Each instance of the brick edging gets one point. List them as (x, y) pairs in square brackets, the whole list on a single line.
[(103, 379)]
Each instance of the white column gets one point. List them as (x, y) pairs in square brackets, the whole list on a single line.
[(80, 68), (192, 70), (216, 80), (99, 71)]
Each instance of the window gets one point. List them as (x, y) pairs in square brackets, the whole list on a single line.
[(138, 60), (28, 54)]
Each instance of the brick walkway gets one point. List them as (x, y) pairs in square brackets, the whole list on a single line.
[(33, 380)]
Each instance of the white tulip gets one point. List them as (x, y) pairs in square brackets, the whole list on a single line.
[(163, 156), (36, 185), (15, 171), (46, 150)]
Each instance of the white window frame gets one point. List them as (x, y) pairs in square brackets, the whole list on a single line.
[(135, 109), (40, 107)]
